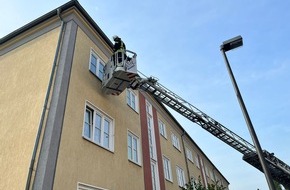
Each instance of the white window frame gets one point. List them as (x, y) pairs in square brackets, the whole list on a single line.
[(132, 99), (132, 148), (189, 155), (180, 176), (167, 169), (175, 141), (99, 65), (162, 128), (106, 122)]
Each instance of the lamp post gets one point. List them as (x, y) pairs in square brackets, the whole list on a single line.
[(226, 46)]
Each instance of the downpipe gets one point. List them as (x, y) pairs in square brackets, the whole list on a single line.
[(45, 107)]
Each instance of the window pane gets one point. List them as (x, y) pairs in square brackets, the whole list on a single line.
[(97, 135), (128, 97), (87, 126), (151, 152), (153, 173), (135, 156), (130, 147), (106, 139), (134, 143), (106, 126), (93, 64), (87, 132), (101, 71), (133, 101)]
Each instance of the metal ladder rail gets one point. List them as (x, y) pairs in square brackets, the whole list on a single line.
[(277, 162), (192, 113), (279, 170), (164, 95), (210, 124)]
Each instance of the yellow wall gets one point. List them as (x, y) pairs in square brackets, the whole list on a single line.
[(83, 161), (24, 77), (193, 169)]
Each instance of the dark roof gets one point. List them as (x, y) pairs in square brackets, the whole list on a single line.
[(72, 3)]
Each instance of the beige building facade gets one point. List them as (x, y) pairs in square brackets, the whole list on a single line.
[(59, 131)]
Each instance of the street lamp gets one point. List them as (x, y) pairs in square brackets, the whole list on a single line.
[(227, 46)]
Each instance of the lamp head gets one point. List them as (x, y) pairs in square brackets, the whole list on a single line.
[(232, 43)]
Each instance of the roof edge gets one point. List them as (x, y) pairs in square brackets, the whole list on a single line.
[(53, 13)]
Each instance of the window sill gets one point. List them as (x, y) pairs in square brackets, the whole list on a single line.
[(170, 181), (164, 136), (135, 163), (177, 148), (136, 111), (95, 76), (190, 161), (89, 140)]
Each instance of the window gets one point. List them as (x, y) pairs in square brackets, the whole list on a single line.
[(189, 155), (98, 128), (196, 161), (175, 141), (180, 176), (133, 148), (211, 175), (206, 171), (162, 128), (151, 136), (154, 174), (132, 99), (167, 168), (96, 65)]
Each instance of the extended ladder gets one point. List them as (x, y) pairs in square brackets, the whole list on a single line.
[(279, 170)]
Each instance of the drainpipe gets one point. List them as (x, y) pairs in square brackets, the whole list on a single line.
[(45, 107), (184, 151), (214, 178)]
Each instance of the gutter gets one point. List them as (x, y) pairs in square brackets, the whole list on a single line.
[(45, 107)]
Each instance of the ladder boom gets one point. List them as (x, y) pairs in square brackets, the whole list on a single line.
[(278, 169), (195, 115)]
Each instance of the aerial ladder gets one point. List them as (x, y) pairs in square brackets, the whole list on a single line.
[(122, 75)]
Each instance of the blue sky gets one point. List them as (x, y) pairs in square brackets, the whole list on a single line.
[(178, 42)]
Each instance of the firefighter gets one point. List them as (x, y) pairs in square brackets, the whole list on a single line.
[(119, 50)]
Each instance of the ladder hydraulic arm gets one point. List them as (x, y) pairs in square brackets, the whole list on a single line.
[(279, 170)]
